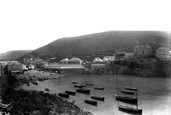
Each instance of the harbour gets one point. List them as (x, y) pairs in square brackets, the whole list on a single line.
[(154, 93)]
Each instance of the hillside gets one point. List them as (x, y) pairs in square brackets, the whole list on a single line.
[(112, 40), (13, 55)]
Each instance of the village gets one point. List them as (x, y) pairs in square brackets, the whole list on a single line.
[(104, 62), (141, 62)]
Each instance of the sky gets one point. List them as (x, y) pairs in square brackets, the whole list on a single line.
[(30, 24)]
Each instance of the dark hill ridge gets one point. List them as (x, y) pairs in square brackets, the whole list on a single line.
[(13, 55), (112, 40)]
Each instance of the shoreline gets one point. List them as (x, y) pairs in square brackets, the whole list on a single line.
[(31, 101)]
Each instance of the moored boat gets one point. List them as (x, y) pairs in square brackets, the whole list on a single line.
[(129, 109), (79, 86), (99, 88), (47, 89), (126, 99), (128, 92), (40, 79), (70, 92), (91, 102), (74, 82), (25, 81), (34, 82), (85, 91), (98, 98), (89, 84), (130, 100), (64, 95), (132, 89)]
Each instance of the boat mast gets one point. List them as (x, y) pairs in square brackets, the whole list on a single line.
[(117, 89), (86, 81), (137, 98)]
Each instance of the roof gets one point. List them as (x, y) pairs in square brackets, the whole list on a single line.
[(75, 59), (163, 48), (143, 46), (65, 59)]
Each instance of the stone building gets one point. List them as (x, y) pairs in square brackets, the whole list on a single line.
[(163, 53), (142, 50)]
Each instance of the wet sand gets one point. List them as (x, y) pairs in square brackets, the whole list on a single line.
[(154, 93)]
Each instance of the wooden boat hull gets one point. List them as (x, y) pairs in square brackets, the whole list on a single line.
[(74, 82), (127, 99), (98, 98), (47, 89), (34, 82), (24, 81), (99, 88), (130, 110), (70, 93), (89, 84), (128, 92), (91, 102), (84, 91), (64, 95), (131, 89), (79, 86), (40, 79)]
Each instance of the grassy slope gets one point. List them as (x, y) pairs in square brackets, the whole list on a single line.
[(112, 40), (12, 55)]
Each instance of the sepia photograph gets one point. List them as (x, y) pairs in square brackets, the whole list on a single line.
[(85, 57)]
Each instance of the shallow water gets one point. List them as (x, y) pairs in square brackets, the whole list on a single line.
[(154, 93)]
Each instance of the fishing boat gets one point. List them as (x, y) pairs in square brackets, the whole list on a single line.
[(84, 91), (79, 86), (25, 81), (128, 92), (47, 89), (129, 109), (70, 92), (98, 98), (40, 79), (131, 89), (64, 95), (89, 84), (74, 82), (99, 88), (91, 102), (126, 99), (131, 100), (34, 82)]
